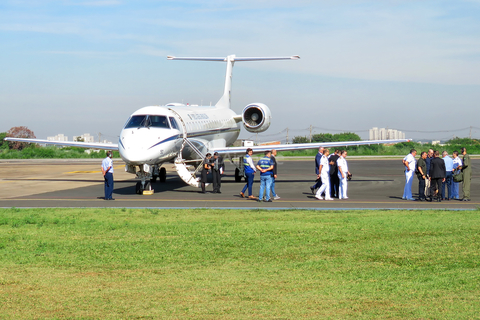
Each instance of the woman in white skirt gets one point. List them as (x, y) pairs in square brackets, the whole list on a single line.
[(342, 174)]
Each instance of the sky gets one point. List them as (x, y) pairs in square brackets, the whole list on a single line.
[(83, 66)]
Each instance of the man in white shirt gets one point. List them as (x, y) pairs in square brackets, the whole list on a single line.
[(107, 170), (325, 176), (409, 163), (342, 174)]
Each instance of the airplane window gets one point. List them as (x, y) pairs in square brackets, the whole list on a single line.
[(174, 123), (136, 122), (158, 122)]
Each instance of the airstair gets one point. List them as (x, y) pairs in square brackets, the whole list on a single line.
[(186, 169)]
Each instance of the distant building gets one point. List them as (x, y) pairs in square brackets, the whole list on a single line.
[(86, 137), (58, 137), (385, 134)]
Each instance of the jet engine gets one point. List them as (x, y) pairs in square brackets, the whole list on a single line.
[(256, 117)]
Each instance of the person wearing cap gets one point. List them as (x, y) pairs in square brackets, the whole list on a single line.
[(107, 171), (265, 166)]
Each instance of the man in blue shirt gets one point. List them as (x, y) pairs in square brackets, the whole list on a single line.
[(107, 170), (265, 166), (449, 176)]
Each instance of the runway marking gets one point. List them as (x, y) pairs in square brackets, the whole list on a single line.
[(244, 201), (90, 171)]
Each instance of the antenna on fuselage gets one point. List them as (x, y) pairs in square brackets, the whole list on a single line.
[(225, 100)]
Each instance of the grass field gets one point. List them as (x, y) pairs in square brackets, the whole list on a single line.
[(233, 264)]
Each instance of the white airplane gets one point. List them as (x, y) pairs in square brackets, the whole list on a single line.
[(155, 135)]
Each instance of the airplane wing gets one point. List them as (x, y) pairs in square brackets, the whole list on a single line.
[(240, 151), (86, 145)]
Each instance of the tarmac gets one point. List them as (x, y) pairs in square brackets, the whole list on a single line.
[(377, 184)]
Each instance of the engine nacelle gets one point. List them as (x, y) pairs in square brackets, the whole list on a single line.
[(256, 117)]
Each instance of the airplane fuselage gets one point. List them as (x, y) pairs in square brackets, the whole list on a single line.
[(154, 135)]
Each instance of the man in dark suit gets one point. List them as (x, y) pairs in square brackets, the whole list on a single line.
[(334, 181), (318, 182), (437, 174), (217, 170)]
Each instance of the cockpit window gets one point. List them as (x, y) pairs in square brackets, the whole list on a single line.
[(148, 121), (136, 122), (158, 122), (173, 123)]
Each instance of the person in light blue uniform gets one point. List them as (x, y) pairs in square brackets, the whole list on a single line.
[(107, 170), (265, 166), (448, 177), (249, 169)]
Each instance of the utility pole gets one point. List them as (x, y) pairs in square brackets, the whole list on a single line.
[(470, 132), (287, 136), (99, 137), (310, 140)]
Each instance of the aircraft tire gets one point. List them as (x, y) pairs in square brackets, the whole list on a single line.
[(163, 174)]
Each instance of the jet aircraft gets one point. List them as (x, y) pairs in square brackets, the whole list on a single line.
[(182, 134)]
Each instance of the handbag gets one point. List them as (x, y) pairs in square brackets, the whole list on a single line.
[(458, 177)]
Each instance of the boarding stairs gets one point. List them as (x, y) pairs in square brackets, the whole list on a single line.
[(186, 169)]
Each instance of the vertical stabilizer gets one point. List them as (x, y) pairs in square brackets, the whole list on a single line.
[(225, 100)]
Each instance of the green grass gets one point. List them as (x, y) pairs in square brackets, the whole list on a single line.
[(238, 264)]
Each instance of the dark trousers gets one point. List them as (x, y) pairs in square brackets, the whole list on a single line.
[(334, 184), (318, 183), (108, 185), (448, 184), (217, 180), (249, 184), (421, 188), (437, 186)]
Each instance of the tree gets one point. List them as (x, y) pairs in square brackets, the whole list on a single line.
[(3, 144), (300, 139), (19, 132)]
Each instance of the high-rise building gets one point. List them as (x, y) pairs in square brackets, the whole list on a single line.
[(385, 134)]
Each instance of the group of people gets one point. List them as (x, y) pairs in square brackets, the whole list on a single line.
[(216, 166), (438, 177), (267, 166), (332, 174)]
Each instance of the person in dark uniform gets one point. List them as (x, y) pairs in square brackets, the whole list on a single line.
[(318, 182), (204, 173), (274, 176), (437, 175), (334, 181), (467, 174), (421, 175), (217, 170), (107, 170)]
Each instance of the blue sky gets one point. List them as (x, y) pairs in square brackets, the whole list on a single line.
[(84, 66)]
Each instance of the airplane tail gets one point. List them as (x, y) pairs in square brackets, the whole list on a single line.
[(225, 100)]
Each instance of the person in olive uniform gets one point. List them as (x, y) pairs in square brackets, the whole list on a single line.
[(467, 174), (421, 175)]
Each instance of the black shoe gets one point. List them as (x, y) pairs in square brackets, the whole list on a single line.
[(269, 200), (218, 192), (313, 190), (258, 200), (214, 191), (110, 199)]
